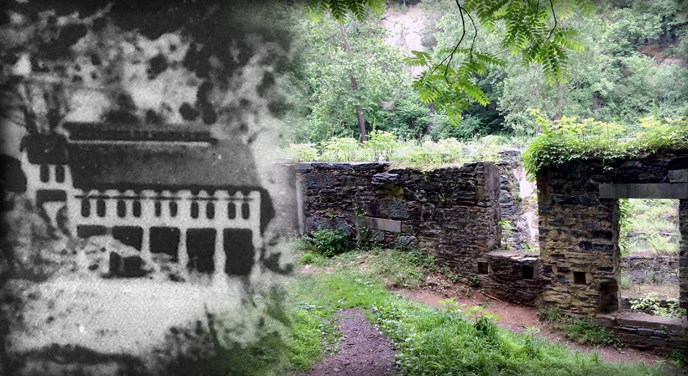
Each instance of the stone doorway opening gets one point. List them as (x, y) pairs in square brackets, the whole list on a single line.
[(201, 249), (649, 242), (239, 251)]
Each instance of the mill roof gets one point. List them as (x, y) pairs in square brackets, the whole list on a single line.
[(146, 156)]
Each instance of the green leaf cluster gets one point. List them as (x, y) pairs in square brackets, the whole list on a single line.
[(327, 242), (342, 9), (570, 139)]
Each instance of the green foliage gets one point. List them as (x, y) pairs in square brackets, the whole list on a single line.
[(432, 341), (579, 330), (625, 282), (327, 242), (303, 152), (532, 29), (384, 146), (382, 91), (507, 231), (570, 139), (624, 225), (311, 258), (651, 227), (393, 268), (427, 341), (651, 304), (341, 9), (629, 69)]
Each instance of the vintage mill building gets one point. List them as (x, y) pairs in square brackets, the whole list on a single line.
[(158, 188)]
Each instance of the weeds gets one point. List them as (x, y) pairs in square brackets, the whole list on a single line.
[(649, 226), (384, 146), (579, 330), (327, 242), (625, 281), (652, 305), (571, 139)]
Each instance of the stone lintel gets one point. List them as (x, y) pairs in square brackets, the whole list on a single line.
[(376, 223), (658, 190)]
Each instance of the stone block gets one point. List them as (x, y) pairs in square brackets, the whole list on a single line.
[(406, 242), (389, 208), (375, 223), (385, 178), (678, 176), (656, 190)]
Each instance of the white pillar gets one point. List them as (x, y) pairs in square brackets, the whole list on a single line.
[(254, 219), (182, 252), (221, 206), (73, 210), (145, 243), (147, 206), (220, 258)]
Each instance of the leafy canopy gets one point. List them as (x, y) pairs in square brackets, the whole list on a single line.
[(535, 30)]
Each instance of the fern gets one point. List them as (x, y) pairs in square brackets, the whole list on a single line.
[(341, 9)]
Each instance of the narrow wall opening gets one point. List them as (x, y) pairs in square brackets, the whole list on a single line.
[(649, 241)]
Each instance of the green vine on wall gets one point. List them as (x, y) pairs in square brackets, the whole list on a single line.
[(570, 139)]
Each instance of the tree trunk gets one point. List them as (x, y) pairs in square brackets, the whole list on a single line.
[(354, 87), (560, 101)]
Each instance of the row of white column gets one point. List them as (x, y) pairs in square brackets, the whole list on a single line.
[(182, 220)]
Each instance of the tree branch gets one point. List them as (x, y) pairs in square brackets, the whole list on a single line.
[(463, 34), (551, 4), (475, 35)]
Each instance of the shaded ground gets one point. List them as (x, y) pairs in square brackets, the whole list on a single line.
[(364, 351), (76, 325), (519, 318), (638, 290)]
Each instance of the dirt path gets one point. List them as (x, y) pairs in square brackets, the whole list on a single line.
[(363, 351), (519, 318)]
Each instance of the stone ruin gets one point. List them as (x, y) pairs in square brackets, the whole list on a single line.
[(579, 239), (454, 213)]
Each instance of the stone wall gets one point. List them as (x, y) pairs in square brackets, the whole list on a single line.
[(683, 252), (450, 212), (515, 277), (659, 334), (651, 269), (579, 227)]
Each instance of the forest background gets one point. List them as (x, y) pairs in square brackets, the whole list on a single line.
[(633, 67)]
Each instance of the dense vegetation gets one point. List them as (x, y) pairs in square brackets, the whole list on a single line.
[(428, 341), (632, 67)]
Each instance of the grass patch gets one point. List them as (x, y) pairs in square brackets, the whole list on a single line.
[(431, 341), (393, 268), (454, 340)]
